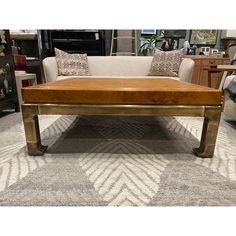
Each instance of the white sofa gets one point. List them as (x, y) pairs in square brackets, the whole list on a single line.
[(118, 66), (229, 105)]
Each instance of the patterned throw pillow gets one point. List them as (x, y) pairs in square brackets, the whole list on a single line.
[(166, 63), (71, 64)]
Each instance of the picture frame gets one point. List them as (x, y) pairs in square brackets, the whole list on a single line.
[(214, 51), (191, 51), (174, 33), (203, 37), (218, 54), (205, 50)]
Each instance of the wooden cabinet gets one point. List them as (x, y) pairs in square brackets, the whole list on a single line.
[(8, 92), (200, 74)]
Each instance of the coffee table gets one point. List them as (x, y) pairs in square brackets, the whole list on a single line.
[(128, 97)]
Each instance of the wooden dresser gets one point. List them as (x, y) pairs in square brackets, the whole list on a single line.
[(200, 75)]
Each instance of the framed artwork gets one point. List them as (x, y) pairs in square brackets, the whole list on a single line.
[(148, 31), (4, 42), (174, 44), (203, 37), (173, 33)]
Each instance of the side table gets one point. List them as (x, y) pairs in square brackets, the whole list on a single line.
[(220, 68), (31, 78)]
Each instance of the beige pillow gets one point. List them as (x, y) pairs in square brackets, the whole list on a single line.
[(166, 63), (71, 64)]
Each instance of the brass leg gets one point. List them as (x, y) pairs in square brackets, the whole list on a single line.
[(32, 133), (209, 133)]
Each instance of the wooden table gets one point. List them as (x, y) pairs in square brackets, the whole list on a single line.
[(116, 96)]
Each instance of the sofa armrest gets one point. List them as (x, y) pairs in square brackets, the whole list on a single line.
[(229, 107), (50, 69), (228, 79), (186, 70)]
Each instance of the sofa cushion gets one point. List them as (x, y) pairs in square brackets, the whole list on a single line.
[(166, 63), (119, 65), (71, 64)]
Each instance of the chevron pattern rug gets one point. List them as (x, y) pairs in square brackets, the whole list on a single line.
[(116, 161)]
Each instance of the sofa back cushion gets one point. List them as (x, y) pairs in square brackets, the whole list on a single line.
[(119, 65), (166, 63), (71, 64)]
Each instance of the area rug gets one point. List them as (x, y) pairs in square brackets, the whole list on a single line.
[(116, 161)]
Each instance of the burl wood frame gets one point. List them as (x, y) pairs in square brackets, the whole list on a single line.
[(211, 116)]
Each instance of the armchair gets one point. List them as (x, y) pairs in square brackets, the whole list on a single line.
[(230, 85), (229, 105)]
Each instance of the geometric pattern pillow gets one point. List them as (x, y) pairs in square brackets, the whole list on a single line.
[(166, 63), (71, 64)]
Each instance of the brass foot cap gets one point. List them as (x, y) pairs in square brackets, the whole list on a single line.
[(198, 152), (38, 152)]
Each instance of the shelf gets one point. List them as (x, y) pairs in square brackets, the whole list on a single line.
[(77, 42), (73, 40), (124, 37), (32, 63), (23, 36), (229, 38), (88, 52), (123, 53)]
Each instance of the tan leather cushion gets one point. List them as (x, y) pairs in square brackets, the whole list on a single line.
[(166, 63), (71, 64)]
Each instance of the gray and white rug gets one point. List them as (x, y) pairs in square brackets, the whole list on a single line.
[(116, 161)]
